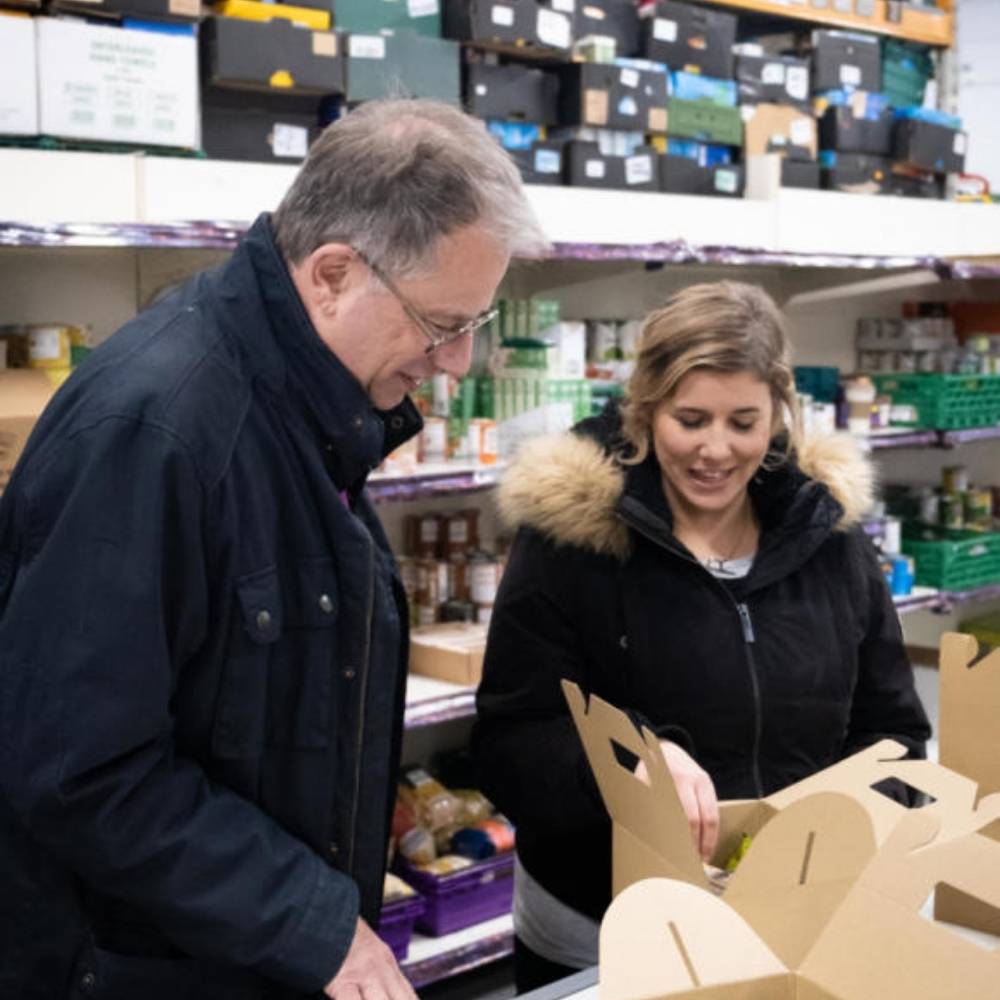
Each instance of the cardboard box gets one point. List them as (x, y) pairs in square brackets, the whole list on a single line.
[(845, 59), (542, 163), (617, 19), (704, 122), (508, 22), (23, 396), (855, 173), (826, 904), (863, 124), (603, 95), (683, 175), (773, 80), (585, 166), (800, 174), (778, 128), (451, 652), (18, 83), (372, 17), (521, 93), (108, 84), (382, 65), (170, 11), (253, 128), (929, 146), (276, 56), (969, 728), (686, 37)]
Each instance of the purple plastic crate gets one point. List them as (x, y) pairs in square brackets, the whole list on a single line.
[(466, 897), (395, 926)]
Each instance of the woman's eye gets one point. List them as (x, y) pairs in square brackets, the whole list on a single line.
[(689, 423), (743, 427)]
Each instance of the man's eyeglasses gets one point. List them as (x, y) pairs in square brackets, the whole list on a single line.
[(437, 335)]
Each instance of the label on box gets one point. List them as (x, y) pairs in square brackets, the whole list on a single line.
[(850, 76), (960, 144), (594, 168), (657, 120), (366, 47), (325, 44), (45, 344), (638, 169), (504, 16), (726, 181), (628, 107), (630, 78), (593, 13), (422, 8), (289, 140), (185, 8), (117, 84), (801, 132), (595, 107), (547, 161), (773, 73), (842, 6), (664, 30), (797, 82), (552, 28), (566, 6)]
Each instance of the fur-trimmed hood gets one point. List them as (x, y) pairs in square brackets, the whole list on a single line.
[(567, 487)]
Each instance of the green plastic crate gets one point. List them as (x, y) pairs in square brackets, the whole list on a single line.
[(705, 122), (906, 68), (953, 560), (945, 402)]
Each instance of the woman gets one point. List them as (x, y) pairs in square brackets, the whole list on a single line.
[(681, 560)]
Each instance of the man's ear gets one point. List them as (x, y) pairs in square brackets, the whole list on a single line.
[(325, 275)]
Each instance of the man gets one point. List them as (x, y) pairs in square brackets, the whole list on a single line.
[(202, 633)]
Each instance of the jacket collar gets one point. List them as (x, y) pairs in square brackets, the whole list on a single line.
[(288, 352), (571, 488)]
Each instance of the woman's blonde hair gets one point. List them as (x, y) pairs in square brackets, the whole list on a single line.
[(723, 326)]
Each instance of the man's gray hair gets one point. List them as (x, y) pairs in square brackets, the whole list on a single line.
[(392, 177)]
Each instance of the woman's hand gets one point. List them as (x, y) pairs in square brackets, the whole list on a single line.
[(697, 795)]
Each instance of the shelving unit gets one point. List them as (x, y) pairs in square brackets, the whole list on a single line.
[(432, 959), (432, 479)]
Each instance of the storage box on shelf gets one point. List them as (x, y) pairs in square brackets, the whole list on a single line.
[(945, 402), (954, 560)]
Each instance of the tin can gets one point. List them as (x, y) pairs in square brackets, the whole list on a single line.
[(930, 507), (484, 577), (893, 537), (425, 614), (458, 579), (977, 506), (432, 582), (952, 511), (954, 479), (456, 534), (483, 441), (429, 537)]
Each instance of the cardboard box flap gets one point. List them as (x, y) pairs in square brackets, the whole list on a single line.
[(24, 392), (879, 947), (970, 711), (663, 937), (801, 867), (954, 794), (651, 812)]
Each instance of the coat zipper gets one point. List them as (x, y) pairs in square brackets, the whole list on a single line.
[(748, 641), (363, 684), (749, 638)]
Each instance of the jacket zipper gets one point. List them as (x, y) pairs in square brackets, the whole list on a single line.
[(748, 641), (363, 685), (749, 638)]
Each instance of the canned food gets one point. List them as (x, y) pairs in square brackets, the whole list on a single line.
[(429, 539), (930, 507), (484, 577), (952, 511), (977, 508), (954, 479), (434, 440), (458, 578)]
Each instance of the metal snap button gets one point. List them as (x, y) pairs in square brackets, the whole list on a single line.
[(358, 423), (396, 423), (88, 981), (325, 603), (263, 620), (349, 673)]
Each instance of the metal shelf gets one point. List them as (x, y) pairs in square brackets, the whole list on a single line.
[(431, 960), (944, 601), (951, 438), (907, 438), (433, 479), (430, 701)]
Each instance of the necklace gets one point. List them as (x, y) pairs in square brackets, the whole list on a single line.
[(723, 565)]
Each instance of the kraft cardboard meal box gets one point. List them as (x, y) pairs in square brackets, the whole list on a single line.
[(826, 903), (819, 914), (24, 393), (969, 742)]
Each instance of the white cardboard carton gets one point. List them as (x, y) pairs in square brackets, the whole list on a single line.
[(110, 84), (18, 77)]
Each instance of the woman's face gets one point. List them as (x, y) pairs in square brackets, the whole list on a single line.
[(711, 436)]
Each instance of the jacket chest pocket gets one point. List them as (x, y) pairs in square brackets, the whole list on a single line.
[(277, 687)]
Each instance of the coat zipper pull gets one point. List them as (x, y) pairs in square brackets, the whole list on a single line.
[(745, 621)]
